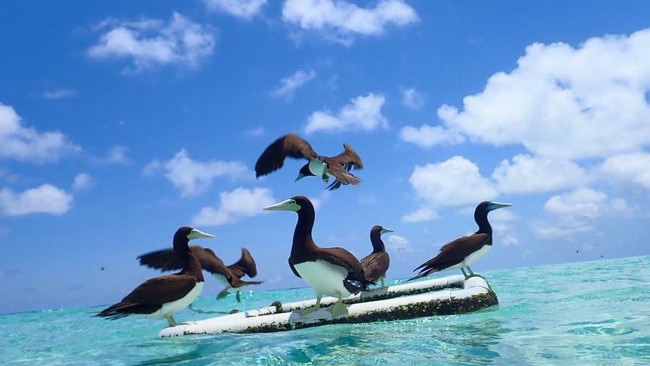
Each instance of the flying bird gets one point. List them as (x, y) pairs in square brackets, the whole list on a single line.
[(294, 146), (329, 271), (465, 251), (229, 276), (376, 263), (162, 297)]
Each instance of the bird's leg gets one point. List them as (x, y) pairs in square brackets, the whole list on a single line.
[(464, 274), (311, 309), (238, 296), (170, 319), (339, 308), (223, 293), (382, 283), (471, 273)]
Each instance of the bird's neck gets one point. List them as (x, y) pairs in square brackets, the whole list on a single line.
[(193, 267), (302, 233), (377, 244), (484, 226)]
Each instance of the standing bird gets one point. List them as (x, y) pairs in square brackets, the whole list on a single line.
[(162, 297), (329, 271), (294, 146), (464, 251), (376, 263), (229, 276)]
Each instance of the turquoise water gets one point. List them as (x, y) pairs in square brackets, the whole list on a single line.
[(588, 313)]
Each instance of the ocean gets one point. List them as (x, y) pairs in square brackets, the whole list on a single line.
[(585, 313)]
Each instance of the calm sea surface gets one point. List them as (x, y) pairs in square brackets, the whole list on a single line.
[(588, 313)]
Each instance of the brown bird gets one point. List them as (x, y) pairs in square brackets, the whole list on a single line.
[(464, 251), (376, 263), (229, 276), (329, 271), (164, 296), (294, 146)]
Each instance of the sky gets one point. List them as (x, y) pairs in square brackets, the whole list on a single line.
[(122, 121)]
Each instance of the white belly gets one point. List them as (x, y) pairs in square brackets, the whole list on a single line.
[(472, 258), (221, 279), (174, 307), (324, 278)]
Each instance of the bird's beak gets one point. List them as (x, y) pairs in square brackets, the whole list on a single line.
[(286, 205), (495, 205), (299, 177), (196, 233), (384, 230)]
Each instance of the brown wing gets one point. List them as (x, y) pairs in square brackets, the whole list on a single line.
[(164, 260), (273, 156), (349, 158), (454, 252), (340, 166), (375, 266), (160, 290), (244, 266), (211, 263), (342, 257)]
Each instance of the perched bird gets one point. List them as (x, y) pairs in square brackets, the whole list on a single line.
[(294, 146), (465, 251), (376, 263), (164, 296), (229, 276), (329, 271)]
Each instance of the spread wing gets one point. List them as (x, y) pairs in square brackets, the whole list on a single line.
[(291, 145), (245, 265), (340, 166)]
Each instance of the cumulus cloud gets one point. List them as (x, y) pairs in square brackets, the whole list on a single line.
[(25, 143), (290, 84), (632, 167), (575, 211), (341, 21), (363, 113), (45, 198), (194, 177), (235, 205), (398, 243), (525, 174), (429, 136), (152, 42), (563, 102), (243, 9), (456, 181)]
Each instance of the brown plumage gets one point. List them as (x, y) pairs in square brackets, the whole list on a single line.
[(293, 146), (464, 251), (329, 271), (376, 263), (229, 276), (163, 296)]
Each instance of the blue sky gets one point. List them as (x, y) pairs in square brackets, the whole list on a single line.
[(121, 121)]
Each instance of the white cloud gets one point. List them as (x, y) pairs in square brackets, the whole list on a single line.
[(244, 9), (292, 83), (411, 98), (117, 155), (563, 102), (59, 94), (82, 181), (454, 182), (341, 20), (575, 211), (43, 199), (152, 42), (235, 205), (397, 243), (25, 143), (364, 113), (533, 174), (633, 167), (419, 215), (193, 177), (429, 136)]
